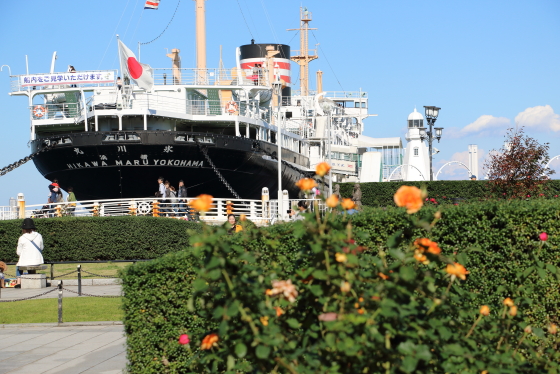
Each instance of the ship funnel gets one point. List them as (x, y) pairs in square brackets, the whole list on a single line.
[(319, 81), (176, 65)]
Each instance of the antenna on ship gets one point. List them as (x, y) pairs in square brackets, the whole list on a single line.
[(304, 55)]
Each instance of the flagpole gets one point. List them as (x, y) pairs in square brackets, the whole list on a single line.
[(120, 58)]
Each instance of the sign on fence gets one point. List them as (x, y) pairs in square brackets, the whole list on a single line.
[(82, 77)]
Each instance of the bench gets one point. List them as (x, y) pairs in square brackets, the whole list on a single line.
[(32, 279)]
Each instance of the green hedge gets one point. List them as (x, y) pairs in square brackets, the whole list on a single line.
[(376, 194), (496, 241), (100, 238)]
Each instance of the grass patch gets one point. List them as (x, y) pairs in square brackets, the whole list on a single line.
[(108, 269), (75, 309)]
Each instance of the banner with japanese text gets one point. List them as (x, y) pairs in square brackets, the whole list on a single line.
[(82, 77)]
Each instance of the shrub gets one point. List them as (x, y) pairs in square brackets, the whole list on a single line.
[(100, 238), (378, 310), (380, 194)]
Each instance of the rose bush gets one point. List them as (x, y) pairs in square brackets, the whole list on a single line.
[(347, 309)]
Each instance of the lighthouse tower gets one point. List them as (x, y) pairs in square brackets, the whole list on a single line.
[(416, 153)]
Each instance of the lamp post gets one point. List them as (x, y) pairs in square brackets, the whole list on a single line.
[(277, 87), (432, 113)]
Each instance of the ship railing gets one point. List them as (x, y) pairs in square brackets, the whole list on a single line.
[(206, 77), (60, 111), (54, 81), (333, 94), (261, 212)]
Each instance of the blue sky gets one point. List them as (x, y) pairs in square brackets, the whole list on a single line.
[(487, 64)]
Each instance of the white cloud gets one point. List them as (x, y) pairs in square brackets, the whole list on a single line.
[(539, 118), (486, 122)]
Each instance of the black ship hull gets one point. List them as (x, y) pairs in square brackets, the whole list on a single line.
[(111, 165)]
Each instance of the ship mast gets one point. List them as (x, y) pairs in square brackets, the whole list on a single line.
[(201, 40), (303, 57)]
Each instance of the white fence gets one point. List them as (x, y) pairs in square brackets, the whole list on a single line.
[(261, 212)]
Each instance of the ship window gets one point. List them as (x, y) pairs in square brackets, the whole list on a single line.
[(415, 151)]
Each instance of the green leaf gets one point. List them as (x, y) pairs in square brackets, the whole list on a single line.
[(541, 272), (199, 285), (240, 350), (263, 351), (395, 240), (454, 349), (407, 273), (293, 323), (409, 364), (320, 274)]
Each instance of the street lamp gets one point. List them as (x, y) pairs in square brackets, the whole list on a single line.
[(432, 113)]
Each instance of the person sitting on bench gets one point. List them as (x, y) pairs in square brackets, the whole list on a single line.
[(30, 247)]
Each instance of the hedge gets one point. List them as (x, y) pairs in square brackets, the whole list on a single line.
[(496, 241), (100, 238), (376, 194)]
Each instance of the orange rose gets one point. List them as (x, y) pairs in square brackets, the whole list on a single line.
[(306, 184), (420, 257), (552, 328), (209, 341), (279, 311), (485, 310), (513, 311), (332, 201), (202, 203), (457, 270), (383, 276), (243, 218), (345, 286), (409, 197), (264, 320), (426, 245), (341, 257), (322, 169), (348, 204), (508, 302)]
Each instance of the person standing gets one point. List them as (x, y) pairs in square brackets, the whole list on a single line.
[(182, 195), (72, 70), (71, 198), (29, 247), (172, 200)]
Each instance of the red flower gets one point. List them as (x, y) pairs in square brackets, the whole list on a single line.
[(184, 339), (543, 236)]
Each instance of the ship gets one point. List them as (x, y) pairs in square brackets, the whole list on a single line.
[(220, 130)]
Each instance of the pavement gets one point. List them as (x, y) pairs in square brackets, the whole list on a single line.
[(69, 348), (87, 347)]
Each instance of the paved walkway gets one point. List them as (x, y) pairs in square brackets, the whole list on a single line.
[(19, 293), (75, 348)]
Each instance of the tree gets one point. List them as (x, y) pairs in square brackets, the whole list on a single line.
[(518, 168)]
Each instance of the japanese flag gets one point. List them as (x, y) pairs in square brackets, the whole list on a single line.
[(142, 74)]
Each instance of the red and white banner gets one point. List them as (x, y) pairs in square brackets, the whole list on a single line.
[(152, 4), (141, 73)]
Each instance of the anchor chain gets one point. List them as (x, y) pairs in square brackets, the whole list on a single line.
[(220, 176), (17, 164)]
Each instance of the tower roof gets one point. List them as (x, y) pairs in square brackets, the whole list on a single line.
[(415, 115)]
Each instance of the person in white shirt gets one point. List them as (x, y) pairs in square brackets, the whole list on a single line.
[(30, 246)]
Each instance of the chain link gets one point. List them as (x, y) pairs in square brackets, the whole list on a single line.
[(63, 275), (88, 294), (57, 276), (30, 297), (220, 176), (98, 275), (17, 164)]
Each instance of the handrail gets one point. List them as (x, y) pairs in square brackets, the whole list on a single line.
[(261, 212)]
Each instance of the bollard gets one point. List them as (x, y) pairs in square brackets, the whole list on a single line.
[(52, 272), (79, 280), (155, 208), (59, 301)]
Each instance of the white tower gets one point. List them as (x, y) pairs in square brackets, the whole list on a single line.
[(473, 160), (416, 154)]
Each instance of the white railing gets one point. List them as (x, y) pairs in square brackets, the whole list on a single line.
[(55, 111), (335, 94), (8, 212), (209, 77), (261, 212)]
